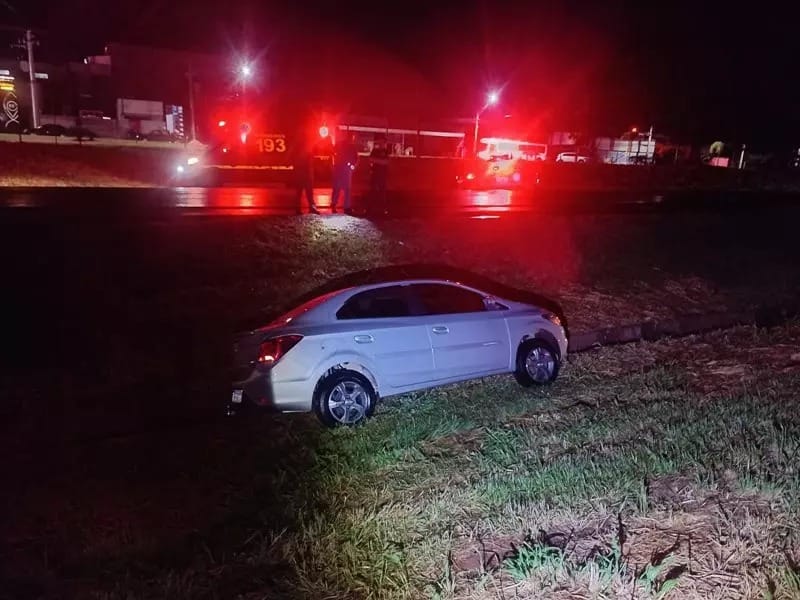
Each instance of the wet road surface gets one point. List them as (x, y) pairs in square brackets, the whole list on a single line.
[(148, 204)]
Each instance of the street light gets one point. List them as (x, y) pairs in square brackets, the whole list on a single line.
[(245, 73), (491, 99)]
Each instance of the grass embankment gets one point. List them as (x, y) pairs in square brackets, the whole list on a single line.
[(623, 480), (138, 310), (643, 466), (662, 470), (68, 165)]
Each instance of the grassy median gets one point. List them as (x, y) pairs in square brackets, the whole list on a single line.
[(651, 470), (660, 470), (33, 163)]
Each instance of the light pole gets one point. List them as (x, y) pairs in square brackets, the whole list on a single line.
[(193, 123), (29, 42), (491, 99)]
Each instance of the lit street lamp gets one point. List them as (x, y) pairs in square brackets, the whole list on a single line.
[(491, 99), (245, 74)]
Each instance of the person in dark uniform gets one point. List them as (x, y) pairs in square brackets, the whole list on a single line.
[(345, 157), (379, 171), (303, 171)]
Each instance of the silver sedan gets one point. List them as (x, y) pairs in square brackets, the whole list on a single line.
[(338, 353)]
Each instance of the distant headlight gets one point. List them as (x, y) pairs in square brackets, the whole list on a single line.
[(179, 168), (193, 160), (554, 319)]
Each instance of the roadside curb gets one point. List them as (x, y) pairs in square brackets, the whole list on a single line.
[(764, 316)]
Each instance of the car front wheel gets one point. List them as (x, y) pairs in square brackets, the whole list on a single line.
[(537, 363), (344, 398)]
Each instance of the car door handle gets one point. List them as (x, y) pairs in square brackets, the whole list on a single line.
[(364, 339), (440, 329)]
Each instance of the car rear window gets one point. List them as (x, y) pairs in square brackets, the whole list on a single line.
[(297, 312), (384, 302)]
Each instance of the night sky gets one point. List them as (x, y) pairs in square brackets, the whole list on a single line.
[(695, 70)]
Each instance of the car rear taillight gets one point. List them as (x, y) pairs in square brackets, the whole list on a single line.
[(271, 350)]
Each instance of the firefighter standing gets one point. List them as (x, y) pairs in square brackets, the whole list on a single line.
[(345, 157), (379, 171), (303, 171)]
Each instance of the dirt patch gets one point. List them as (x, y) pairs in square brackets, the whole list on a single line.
[(455, 444), (676, 492), (732, 361), (485, 554), (696, 541)]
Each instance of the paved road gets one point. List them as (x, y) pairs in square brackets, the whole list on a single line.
[(148, 204), (240, 201)]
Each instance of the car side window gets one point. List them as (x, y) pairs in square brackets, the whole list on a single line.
[(441, 299), (378, 303)]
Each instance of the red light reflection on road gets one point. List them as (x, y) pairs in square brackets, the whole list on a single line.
[(245, 201), (21, 200), (322, 199), (232, 201), (494, 200), (268, 201)]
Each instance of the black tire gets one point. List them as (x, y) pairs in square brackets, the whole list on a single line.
[(542, 352), (358, 405)]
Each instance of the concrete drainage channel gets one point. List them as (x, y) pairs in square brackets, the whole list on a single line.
[(765, 316)]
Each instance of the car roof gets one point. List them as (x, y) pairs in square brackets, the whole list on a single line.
[(318, 308), (417, 273)]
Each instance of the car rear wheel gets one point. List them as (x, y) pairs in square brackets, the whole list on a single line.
[(537, 363), (344, 398)]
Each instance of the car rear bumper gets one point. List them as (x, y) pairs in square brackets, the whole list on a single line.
[(253, 393), (258, 392)]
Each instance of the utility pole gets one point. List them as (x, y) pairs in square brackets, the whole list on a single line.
[(192, 126), (29, 42), (475, 138)]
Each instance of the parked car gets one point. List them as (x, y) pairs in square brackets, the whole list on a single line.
[(162, 135), (51, 129), (339, 352), (572, 157), (132, 134), (80, 132)]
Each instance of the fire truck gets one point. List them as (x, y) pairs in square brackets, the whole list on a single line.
[(256, 140)]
